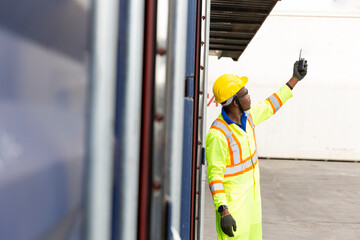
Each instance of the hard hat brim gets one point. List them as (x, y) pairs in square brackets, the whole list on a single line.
[(226, 88)]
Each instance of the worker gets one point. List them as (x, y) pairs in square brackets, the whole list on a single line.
[(232, 157)]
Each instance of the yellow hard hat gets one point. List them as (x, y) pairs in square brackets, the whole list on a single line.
[(227, 85)]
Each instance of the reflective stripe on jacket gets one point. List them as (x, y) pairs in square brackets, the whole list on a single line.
[(232, 166)]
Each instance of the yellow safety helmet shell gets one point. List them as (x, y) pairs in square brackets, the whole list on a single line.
[(227, 85)]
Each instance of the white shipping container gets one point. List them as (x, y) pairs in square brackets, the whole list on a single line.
[(322, 120)]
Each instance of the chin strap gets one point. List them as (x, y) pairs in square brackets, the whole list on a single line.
[(238, 103)]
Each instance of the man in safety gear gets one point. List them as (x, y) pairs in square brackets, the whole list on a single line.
[(231, 154)]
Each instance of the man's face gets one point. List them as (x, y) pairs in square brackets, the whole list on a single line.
[(244, 98)]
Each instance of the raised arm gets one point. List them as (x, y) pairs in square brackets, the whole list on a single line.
[(263, 110)]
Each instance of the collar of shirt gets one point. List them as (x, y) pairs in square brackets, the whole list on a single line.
[(243, 119)]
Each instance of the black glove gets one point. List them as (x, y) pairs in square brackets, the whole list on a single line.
[(227, 223), (299, 74)]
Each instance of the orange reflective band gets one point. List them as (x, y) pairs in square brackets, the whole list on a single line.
[(248, 158), (215, 181), (231, 152), (217, 128), (277, 97), (218, 191), (250, 123), (252, 119), (252, 155), (216, 186), (272, 105), (223, 122), (223, 127), (244, 171), (237, 142), (253, 129)]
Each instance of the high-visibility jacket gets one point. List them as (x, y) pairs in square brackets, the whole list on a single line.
[(233, 169)]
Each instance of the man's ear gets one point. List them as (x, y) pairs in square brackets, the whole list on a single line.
[(235, 103)]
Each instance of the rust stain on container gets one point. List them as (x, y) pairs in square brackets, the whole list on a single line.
[(159, 117), (156, 185), (161, 51)]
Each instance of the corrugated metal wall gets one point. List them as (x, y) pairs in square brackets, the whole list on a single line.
[(234, 24)]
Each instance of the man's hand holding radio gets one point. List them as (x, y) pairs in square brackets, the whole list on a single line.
[(300, 69)]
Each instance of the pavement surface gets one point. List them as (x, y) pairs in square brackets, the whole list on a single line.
[(304, 200)]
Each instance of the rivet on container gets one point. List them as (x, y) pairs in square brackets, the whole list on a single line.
[(156, 185), (161, 51), (159, 117)]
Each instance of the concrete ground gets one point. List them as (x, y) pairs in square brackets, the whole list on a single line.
[(304, 200)]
